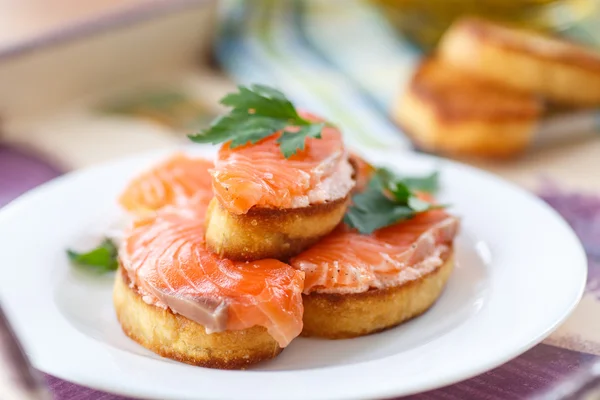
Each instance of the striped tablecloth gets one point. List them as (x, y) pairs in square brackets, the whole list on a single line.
[(340, 59)]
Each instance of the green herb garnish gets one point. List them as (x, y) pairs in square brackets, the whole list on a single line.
[(257, 112), (428, 183), (389, 199), (101, 259)]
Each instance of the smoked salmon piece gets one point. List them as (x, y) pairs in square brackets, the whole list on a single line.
[(165, 257), (363, 172), (172, 182), (259, 175), (346, 261)]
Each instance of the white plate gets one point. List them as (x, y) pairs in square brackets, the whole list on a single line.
[(520, 272)]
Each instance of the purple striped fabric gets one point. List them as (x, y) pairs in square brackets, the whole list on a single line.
[(63, 390), (21, 171), (536, 370)]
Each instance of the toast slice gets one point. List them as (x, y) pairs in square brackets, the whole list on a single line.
[(448, 111), (563, 72), (339, 315), (178, 338), (269, 232)]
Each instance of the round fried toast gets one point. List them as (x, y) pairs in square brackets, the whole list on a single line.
[(561, 71), (176, 337), (339, 316), (444, 110), (269, 232)]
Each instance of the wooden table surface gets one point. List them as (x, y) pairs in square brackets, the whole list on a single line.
[(25, 21)]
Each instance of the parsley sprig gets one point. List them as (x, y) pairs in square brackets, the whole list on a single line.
[(102, 259), (389, 199), (257, 112)]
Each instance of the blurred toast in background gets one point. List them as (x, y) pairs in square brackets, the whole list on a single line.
[(489, 87), (447, 111), (560, 71)]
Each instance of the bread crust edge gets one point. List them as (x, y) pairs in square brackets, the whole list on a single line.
[(270, 233), (178, 338), (340, 316)]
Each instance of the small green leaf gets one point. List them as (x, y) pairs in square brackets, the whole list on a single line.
[(375, 211), (263, 101), (291, 142), (100, 259), (428, 183), (258, 112), (387, 200), (418, 205), (255, 129)]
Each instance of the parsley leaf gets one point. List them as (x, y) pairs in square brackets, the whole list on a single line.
[(101, 259), (257, 112), (262, 100), (290, 143), (372, 210), (387, 200), (428, 183)]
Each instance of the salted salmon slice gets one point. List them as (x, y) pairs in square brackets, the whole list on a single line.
[(347, 261), (259, 175), (172, 182), (363, 172), (166, 260)]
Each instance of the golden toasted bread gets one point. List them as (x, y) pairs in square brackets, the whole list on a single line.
[(176, 337), (338, 316), (563, 72), (269, 232), (445, 110)]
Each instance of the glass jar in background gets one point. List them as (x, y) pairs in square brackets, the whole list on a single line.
[(424, 21)]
